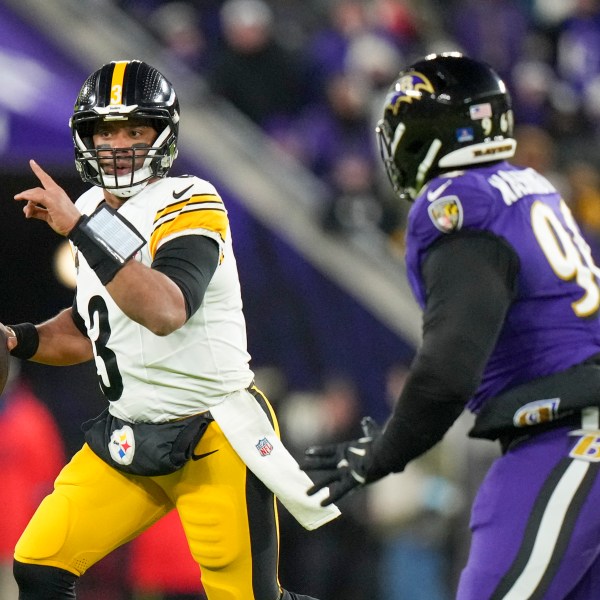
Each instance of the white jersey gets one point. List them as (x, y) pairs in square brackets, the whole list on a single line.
[(151, 378)]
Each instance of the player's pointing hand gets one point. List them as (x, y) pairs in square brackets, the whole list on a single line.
[(49, 203)]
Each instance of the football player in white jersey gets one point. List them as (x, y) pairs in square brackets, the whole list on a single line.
[(158, 307)]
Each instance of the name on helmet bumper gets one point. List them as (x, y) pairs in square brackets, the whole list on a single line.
[(116, 112), (479, 153)]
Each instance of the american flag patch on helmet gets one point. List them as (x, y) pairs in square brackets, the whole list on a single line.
[(480, 111)]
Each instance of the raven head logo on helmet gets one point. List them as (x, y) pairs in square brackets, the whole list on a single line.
[(408, 88), (445, 111), (122, 91)]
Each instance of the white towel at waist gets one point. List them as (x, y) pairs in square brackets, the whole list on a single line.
[(249, 431)]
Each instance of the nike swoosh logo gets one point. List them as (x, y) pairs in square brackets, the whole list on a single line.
[(199, 456), (435, 194), (178, 195)]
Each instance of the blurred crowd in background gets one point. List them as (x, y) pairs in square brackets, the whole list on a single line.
[(312, 74)]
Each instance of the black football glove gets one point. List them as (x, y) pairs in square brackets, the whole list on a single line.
[(345, 465)]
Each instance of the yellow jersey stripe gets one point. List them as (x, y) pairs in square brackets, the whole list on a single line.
[(170, 209), (208, 219), (189, 207), (196, 199)]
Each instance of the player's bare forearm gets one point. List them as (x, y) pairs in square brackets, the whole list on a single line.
[(149, 298), (61, 343)]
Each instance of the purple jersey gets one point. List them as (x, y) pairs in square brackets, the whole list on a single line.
[(553, 322)]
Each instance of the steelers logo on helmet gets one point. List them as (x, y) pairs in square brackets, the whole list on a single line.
[(444, 112), (117, 92)]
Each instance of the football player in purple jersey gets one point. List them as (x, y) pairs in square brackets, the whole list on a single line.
[(511, 332)]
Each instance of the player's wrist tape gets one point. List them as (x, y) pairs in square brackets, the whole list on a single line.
[(28, 340), (106, 240)]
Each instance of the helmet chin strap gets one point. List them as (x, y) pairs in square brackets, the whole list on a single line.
[(129, 191)]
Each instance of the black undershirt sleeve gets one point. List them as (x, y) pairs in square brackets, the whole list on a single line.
[(470, 279), (190, 261), (77, 318)]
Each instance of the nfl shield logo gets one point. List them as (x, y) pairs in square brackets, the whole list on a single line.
[(264, 447)]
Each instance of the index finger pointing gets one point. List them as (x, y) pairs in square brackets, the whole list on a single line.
[(44, 178)]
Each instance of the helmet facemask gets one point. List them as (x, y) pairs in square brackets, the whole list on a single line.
[(147, 162), (405, 186)]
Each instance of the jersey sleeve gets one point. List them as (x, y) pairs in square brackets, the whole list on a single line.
[(201, 213), (448, 204)]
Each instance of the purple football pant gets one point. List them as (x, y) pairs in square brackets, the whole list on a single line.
[(535, 523)]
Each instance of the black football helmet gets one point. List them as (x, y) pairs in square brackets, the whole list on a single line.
[(116, 92), (445, 111)]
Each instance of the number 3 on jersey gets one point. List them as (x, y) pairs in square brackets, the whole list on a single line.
[(109, 377), (568, 253)]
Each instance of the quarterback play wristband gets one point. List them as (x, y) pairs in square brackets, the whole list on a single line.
[(28, 340), (106, 240)]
